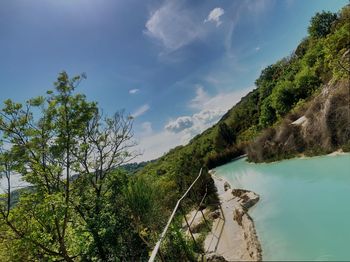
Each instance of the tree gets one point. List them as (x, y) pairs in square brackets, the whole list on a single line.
[(267, 114), (69, 152), (225, 136), (283, 97), (321, 24), (306, 83)]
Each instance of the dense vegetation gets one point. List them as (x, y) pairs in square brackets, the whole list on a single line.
[(69, 152), (84, 204), (282, 88), (290, 89)]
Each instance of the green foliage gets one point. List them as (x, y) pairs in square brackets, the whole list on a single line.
[(66, 217), (141, 197), (321, 23), (283, 97), (302, 47), (267, 113), (227, 155), (225, 136), (248, 134), (336, 46), (306, 82), (178, 246)]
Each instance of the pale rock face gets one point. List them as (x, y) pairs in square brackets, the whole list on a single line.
[(300, 121), (233, 236), (227, 186)]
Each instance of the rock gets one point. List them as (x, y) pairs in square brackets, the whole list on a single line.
[(251, 200), (239, 192), (247, 198), (213, 257), (227, 186), (237, 215), (253, 244), (214, 215)]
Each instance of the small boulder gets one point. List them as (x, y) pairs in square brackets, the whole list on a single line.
[(227, 186), (213, 257), (214, 215)]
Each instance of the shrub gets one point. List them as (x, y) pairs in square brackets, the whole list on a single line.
[(321, 24), (283, 97)]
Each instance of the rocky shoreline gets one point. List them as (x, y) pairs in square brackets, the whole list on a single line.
[(247, 199), (245, 244)]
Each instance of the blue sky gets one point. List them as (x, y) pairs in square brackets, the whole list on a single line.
[(176, 66)]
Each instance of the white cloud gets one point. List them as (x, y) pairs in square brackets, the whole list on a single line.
[(210, 110), (208, 116), (179, 124), (140, 111), (181, 130), (134, 91), (257, 48), (173, 25), (200, 98), (214, 16), (146, 128), (156, 144), (220, 102)]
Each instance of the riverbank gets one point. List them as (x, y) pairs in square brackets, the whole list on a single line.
[(233, 236)]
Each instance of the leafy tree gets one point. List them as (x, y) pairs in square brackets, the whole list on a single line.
[(306, 83), (321, 24), (302, 47), (68, 151), (225, 136), (145, 209), (337, 46), (283, 97), (267, 113)]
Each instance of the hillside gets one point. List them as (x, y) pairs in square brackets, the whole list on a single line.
[(300, 106), (284, 91), (312, 81), (320, 126)]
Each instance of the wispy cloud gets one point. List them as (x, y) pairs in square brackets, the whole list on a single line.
[(222, 101), (200, 98), (156, 144), (146, 128), (257, 7), (140, 111), (250, 8), (210, 109), (134, 91), (179, 131), (173, 25), (214, 16), (179, 124)]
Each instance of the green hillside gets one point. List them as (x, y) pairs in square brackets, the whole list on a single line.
[(283, 89)]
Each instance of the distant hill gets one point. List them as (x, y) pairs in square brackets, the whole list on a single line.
[(132, 168)]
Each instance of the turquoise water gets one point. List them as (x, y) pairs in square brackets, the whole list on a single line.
[(304, 207)]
